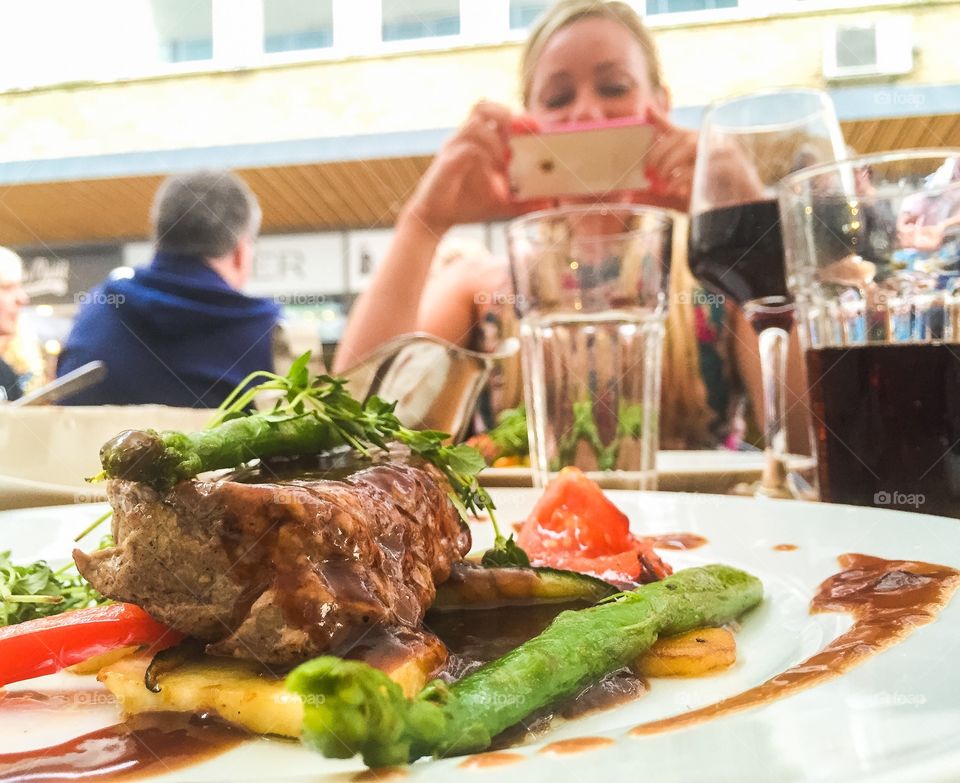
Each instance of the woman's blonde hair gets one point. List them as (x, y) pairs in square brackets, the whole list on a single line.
[(684, 411), (566, 12)]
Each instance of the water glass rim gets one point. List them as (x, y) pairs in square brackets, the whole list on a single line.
[(520, 224), (793, 181)]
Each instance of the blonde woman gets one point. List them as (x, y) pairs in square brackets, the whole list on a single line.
[(584, 60)]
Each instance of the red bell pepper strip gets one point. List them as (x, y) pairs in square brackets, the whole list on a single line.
[(48, 644)]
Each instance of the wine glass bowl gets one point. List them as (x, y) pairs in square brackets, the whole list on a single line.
[(747, 145)]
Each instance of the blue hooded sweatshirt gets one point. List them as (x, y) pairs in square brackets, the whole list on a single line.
[(175, 333)]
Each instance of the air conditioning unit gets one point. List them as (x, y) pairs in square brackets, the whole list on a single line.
[(882, 46)]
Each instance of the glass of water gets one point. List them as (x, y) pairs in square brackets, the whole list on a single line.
[(591, 291)]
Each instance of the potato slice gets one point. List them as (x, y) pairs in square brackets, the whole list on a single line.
[(691, 654), (97, 662), (235, 690), (244, 694)]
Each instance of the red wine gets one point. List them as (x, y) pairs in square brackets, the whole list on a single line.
[(887, 424), (738, 251)]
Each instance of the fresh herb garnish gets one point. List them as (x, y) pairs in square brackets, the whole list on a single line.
[(371, 424), (584, 428), (510, 434), (505, 552), (310, 416), (365, 426), (36, 590), (629, 427)]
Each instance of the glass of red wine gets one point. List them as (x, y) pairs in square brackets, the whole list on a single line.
[(747, 145)]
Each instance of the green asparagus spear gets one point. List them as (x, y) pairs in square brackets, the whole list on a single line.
[(350, 707), (161, 459)]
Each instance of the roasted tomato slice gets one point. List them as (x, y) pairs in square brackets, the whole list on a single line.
[(575, 526)]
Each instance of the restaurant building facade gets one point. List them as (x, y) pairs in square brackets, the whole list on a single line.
[(332, 109)]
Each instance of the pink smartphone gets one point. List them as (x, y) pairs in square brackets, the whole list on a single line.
[(580, 159)]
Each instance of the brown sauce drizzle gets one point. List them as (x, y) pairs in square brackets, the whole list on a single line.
[(888, 599), (144, 745), (481, 635), (616, 688), (676, 541), (263, 550), (495, 759), (577, 745), (785, 548), (11, 701)]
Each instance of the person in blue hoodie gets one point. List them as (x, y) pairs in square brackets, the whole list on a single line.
[(180, 331)]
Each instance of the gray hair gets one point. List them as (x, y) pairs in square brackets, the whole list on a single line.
[(204, 213)]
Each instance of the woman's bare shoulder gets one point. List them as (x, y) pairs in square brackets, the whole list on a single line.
[(471, 276)]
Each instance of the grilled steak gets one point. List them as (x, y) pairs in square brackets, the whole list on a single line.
[(280, 572)]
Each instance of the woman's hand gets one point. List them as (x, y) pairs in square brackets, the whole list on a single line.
[(672, 156), (467, 180)]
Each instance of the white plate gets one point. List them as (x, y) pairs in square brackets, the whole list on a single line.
[(62, 445), (894, 718), (688, 471)]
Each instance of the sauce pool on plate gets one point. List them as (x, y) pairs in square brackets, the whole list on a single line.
[(54, 700), (676, 541), (144, 745), (888, 599), (577, 745), (494, 759)]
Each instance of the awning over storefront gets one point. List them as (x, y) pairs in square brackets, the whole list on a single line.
[(353, 182)]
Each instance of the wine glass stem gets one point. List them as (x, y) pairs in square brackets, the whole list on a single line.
[(773, 369)]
